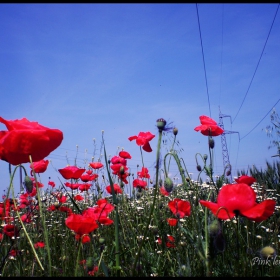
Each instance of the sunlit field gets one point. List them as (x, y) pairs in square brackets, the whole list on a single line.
[(102, 221)]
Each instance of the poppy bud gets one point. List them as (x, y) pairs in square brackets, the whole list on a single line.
[(101, 240), (198, 167), (211, 143), (175, 130), (122, 170), (28, 184), (228, 173), (205, 157), (89, 262), (161, 123), (214, 228), (267, 252), (168, 184)]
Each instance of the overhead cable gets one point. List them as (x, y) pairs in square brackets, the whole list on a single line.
[(203, 59), (257, 63)]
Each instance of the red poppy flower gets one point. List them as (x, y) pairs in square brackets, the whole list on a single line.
[(180, 208), (24, 138), (71, 172), (163, 191), (96, 165), (170, 241), (124, 154), (39, 245), (208, 127), (78, 197), (172, 222), (89, 171), (87, 177), (81, 224), (144, 173), (246, 180), (84, 187), (73, 186), (137, 183), (118, 160), (117, 189), (11, 230), (240, 199), (39, 166), (143, 140), (51, 183)]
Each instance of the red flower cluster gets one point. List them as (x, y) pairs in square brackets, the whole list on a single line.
[(85, 223), (119, 165), (170, 242), (25, 138), (208, 127)]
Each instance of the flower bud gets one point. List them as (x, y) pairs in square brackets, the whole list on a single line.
[(122, 171), (198, 167), (214, 228), (211, 143), (168, 184), (28, 184), (101, 240), (175, 130), (205, 157), (267, 252), (228, 173)]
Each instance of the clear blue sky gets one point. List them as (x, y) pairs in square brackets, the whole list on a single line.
[(84, 68)]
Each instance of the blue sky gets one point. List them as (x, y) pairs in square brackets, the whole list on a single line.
[(84, 68)]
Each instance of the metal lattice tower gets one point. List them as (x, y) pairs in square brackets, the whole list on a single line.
[(226, 161)]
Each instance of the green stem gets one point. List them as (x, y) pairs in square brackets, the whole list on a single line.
[(171, 150), (152, 207), (78, 259), (116, 219), (43, 219), (19, 218)]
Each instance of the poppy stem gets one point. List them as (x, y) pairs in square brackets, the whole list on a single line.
[(116, 218), (43, 219), (153, 205), (78, 258), (19, 218)]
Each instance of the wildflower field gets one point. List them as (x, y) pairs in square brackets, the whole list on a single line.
[(86, 225)]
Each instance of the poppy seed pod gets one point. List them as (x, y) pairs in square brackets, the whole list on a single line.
[(211, 143), (161, 123), (28, 184), (168, 184), (175, 130)]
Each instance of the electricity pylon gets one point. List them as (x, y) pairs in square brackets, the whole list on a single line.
[(226, 161)]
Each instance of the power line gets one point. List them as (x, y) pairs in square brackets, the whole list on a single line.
[(203, 59), (257, 63), (260, 120)]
